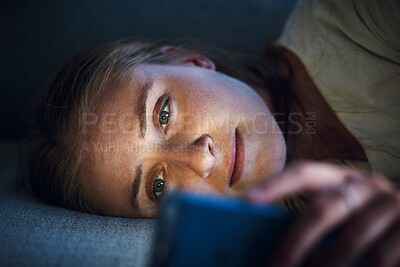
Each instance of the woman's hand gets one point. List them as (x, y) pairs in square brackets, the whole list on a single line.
[(366, 205)]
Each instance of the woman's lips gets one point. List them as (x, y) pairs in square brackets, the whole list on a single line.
[(237, 158)]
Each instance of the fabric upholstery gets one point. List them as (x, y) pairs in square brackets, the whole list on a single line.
[(37, 234)]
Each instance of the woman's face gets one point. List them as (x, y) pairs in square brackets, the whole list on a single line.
[(177, 127)]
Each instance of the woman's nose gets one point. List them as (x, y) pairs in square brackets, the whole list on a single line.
[(197, 155)]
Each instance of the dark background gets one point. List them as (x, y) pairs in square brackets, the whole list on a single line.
[(38, 36)]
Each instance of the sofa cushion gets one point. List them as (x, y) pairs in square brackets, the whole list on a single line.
[(37, 234)]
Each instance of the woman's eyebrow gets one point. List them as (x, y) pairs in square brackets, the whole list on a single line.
[(141, 105), (135, 187)]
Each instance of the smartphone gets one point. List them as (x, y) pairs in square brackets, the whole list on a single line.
[(202, 231), (196, 230)]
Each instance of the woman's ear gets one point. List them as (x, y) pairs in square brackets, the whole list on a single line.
[(191, 58)]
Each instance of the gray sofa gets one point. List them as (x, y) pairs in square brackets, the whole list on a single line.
[(37, 234), (37, 36)]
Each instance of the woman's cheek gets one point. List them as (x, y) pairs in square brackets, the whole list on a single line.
[(189, 123)]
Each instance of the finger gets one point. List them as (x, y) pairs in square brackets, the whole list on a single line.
[(386, 251), (308, 229), (363, 229), (303, 177)]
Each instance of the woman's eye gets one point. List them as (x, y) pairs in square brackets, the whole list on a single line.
[(158, 186), (164, 115)]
